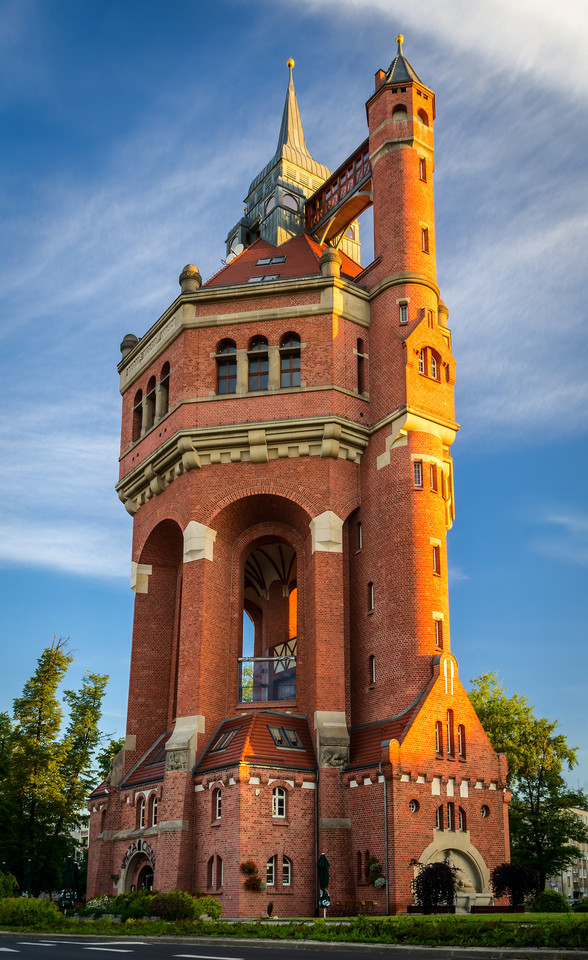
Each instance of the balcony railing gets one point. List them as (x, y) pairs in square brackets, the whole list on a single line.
[(267, 678)]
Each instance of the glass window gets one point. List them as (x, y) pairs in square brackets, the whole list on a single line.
[(290, 360), (279, 802), (417, 467), (217, 804), (226, 367), (286, 872), (258, 364), (270, 871)]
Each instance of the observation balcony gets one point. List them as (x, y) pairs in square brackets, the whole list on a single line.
[(269, 678)]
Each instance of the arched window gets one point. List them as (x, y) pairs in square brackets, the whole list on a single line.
[(438, 737), (450, 743), (226, 367), (399, 112), (439, 818), (220, 872), (462, 820), (270, 204), (270, 871), (359, 873), (217, 801), (210, 872), (137, 415), (423, 117), (423, 169), (286, 872), (422, 362), (258, 364), (153, 817), (141, 813), (150, 404), (290, 360), (366, 869), (290, 202), (450, 816), (485, 811), (279, 802), (461, 741), (425, 239), (372, 670), (371, 597), (164, 391)]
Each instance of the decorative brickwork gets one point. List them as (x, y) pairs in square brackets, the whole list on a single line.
[(292, 687)]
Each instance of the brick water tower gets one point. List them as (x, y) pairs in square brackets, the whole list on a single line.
[(285, 456)]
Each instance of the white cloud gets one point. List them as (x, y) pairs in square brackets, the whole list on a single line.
[(567, 539)]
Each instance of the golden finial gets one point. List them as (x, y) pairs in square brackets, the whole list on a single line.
[(290, 63), (399, 41)]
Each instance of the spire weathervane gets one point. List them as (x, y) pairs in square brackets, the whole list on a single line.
[(400, 41)]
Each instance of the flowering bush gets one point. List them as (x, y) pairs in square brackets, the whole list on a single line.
[(374, 870), (254, 882), (248, 866), (380, 882)]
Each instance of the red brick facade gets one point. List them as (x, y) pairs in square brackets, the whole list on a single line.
[(319, 507)]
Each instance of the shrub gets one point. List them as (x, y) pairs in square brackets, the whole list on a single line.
[(8, 885), (374, 869), (28, 911), (516, 880), (175, 905), (581, 907), (550, 901), (207, 906), (434, 885), (99, 905)]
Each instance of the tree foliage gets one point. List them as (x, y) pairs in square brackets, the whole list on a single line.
[(46, 776), (434, 885), (106, 755), (515, 881), (543, 827)]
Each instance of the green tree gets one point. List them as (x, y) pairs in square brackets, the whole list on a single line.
[(46, 777), (543, 827), (106, 755)]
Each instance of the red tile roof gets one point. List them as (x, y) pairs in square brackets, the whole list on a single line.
[(254, 744), (367, 739), (302, 260), (151, 766)]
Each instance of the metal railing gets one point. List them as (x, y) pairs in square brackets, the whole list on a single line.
[(267, 678)]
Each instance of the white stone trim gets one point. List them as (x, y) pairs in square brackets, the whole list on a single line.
[(140, 573), (327, 533), (198, 542)]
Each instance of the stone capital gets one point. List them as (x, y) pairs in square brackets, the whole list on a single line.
[(327, 533), (198, 542)]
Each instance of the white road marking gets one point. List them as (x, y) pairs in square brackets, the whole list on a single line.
[(202, 956), (109, 949), (8, 950)]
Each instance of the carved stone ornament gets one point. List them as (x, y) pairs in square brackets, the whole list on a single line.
[(140, 846), (334, 755), (176, 760)]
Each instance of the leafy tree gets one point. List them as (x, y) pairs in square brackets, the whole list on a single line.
[(543, 827), (106, 755), (46, 777), (515, 880), (434, 885)]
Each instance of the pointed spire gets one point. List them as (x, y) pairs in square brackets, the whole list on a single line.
[(400, 70), (291, 132)]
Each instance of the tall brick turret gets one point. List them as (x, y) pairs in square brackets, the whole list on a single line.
[(285, 456)]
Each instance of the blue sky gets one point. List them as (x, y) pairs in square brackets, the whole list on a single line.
[(131, 132)]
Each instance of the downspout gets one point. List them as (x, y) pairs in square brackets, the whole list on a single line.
[(316, 886), (385, 835)]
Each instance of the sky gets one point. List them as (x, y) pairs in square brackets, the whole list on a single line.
[(131, 131)]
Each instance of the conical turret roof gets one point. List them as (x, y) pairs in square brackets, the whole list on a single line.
[(400, 70)]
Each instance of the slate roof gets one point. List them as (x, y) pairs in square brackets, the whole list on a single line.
[(400, 70), (254, 744), (302, 260)]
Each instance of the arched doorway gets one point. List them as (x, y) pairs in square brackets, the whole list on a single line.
[(145, 878)]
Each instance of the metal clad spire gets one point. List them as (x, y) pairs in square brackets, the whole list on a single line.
[(291, 132)]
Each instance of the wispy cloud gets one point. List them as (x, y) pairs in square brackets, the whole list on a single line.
[(566, 539)]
